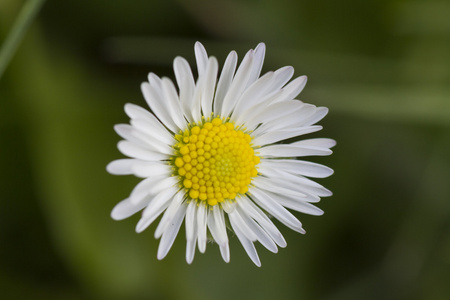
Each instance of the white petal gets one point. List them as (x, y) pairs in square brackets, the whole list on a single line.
[(150, 169), (260, 234), (126, 208), (158, 106), (272, 93), (259, 54), (190, 250), (169, 214), (224, 81), (156, 206), (133, 150), (290, 114), (252, 96), (151, 126), (126, 132), (209, 86), (142, 139), (136, 112), (152, 186), (228, 206), (202, 217), (275, 209), (246, 243), (307, 185), (166, 196), (191, 231), (153, 142), (275, 111), (242, 118), (277, 185), (283, 75), (238, 85), (201, 57), (236, 218), (291, 150), (145, 222), (279, 135), (297, 204), (225, 252), (298, 183), (186, 84), (173, 103), (216, 225), (191, 221), (171, 232), (298, 167), (308, 114), (259, 216), (121, 166), (196, 104), (316, 117), (155, 83), (323, 143), (294, 88)]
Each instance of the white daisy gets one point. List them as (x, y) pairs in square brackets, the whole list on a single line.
[(212, 154)]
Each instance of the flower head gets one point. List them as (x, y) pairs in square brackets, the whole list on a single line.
[(215, 153)]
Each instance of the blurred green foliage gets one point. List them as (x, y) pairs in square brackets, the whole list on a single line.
[(383, 69)]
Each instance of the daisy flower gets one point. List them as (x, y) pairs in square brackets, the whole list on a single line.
[(215, 154)]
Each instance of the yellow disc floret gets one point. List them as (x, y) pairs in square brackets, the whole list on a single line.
[(215, 161)]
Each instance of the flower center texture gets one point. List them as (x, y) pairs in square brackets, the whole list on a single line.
[(215, 161)]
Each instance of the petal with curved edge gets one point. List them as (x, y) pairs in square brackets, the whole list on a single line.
[(297, 167), (158, 106), (171, 232), (225, 252), (216, 225), (276, 209), (290, 150), (126, 208), (291, 114), (238, 84), (152, 169), (153, 131), (294, 88), (132, 150), (209, 87), (225, 80), (186, 85), (163, 199), (282, 75), (260, 234), (296, 204), (173, 103), (259, 54), (280, 179), (279, 135), (191, 231), (259, 216), (246, 243), (269, 113), (252, 95), (201, 58), (121, 166), (169, 214), (202, 218), (277, 185)]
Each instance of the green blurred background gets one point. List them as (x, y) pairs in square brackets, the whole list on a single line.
[(383, 69)]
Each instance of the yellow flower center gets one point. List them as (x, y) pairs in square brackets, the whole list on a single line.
[(215, 161)]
